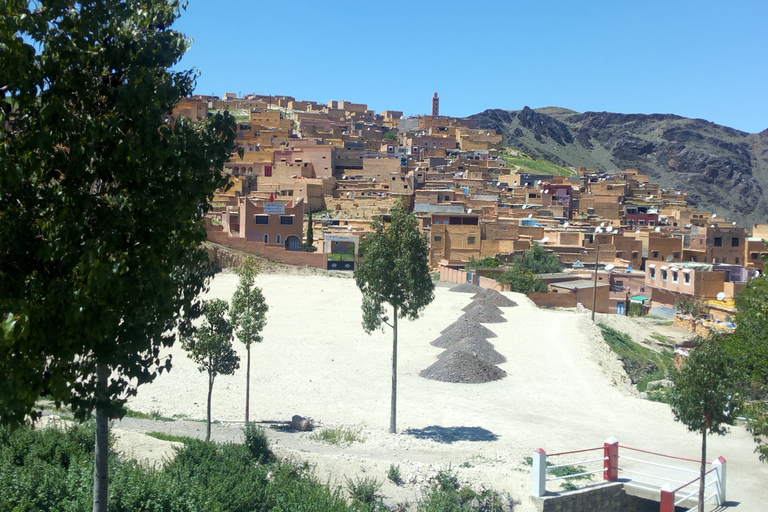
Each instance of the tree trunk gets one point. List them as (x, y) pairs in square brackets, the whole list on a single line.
[(247, 383), (703, 469), (393, 408), (210, 391), (101, 449)]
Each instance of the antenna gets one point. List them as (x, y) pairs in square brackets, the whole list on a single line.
[(658, 229), (714, 215), (545, 240), (566, 224), (530, 215), (609, 229), (610, 267), (721, 296)]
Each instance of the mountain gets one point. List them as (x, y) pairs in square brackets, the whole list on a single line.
[(723, 170)]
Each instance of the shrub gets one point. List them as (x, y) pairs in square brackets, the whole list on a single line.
[(365, 491), (257, 443), (394, 474)]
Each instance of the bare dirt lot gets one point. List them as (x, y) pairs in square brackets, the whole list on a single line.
[(564, 390)]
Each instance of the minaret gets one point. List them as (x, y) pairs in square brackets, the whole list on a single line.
[(435, 105)]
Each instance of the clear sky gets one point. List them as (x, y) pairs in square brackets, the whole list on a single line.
[(696, 58)]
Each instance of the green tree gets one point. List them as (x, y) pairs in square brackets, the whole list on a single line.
[(101, 201), (748, 345), (521, 281), (248, 313), (210, 346), (538, 261), (487, 262), (703, 397), (394, 270), (309, 243), (390, 136)]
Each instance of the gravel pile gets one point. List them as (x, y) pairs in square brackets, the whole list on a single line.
[(478, 347), (483, 314), (462, 367), (466, 288), (494, 298), (462, 328), (450, 339)]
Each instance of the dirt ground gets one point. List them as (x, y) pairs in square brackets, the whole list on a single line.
[(564, 390)]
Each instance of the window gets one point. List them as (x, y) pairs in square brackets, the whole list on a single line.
[(674, 276), (718, 241), (652, 273), (687, 278), (261, 219), (737, 260), (734, 242), (663, 275), (266, 239), (470, 240), (754, 255), (655, 254), (675, 254), (286, 220), (438, 238), (724, 258)]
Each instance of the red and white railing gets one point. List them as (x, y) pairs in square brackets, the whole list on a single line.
[(636, 470)]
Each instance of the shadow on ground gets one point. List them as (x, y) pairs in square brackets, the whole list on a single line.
[(450, 435)]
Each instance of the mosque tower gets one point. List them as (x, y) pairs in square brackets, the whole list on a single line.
[(435, 105)]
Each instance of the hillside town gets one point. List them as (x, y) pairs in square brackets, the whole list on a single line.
[(625, 242)]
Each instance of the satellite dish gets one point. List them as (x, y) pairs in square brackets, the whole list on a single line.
[(598, 230), (469, 211), (637, 232), (565, 225), (545, 240), (658, 229), (609, 229), (721, 296), (609, 267), (670, 258), (602, 224), (734, 223), (530, 215), (714, 215)]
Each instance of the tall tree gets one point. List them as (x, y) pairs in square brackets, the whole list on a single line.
[(703, 397), (749, 347), (101, 201), (248, 312), (210, 346), (394, 270), (309, 243), (538, 261)]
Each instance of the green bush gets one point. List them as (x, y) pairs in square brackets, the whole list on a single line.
[(446, 495), (257, 442), (365, 492), (487, 262), (522, 281), (394, 474)]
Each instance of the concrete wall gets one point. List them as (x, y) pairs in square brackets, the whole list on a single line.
[(554, 300), (605, 498)]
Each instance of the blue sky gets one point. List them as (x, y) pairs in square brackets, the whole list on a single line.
[(705, 59)]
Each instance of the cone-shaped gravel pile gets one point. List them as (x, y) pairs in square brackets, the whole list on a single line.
[(483, 315), (480, 348), (462, 367), (464, 328), (466, 288), (449, 339), (494, 298)]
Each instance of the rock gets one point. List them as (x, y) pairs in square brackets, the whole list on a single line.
[(301, 423)]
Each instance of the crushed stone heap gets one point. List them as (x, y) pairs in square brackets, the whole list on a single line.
[(466, 288), (451, 338), (464, 328), (478, 347), (494, 298), (461, 367), (483, 314)]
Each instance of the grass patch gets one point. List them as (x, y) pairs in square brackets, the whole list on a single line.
[(564, 471), (524, 163), (170, 437), (394, 474), (642, 364), (152, 415), (340, 436)]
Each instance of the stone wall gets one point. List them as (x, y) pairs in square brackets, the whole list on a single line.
[(554, 300), (605, 498)]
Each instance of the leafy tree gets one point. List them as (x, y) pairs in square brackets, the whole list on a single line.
[(210, 346), (538, 261), (390, 136), (522, 281), (394, 270), (487, 262), (101, 201), (248, 314), (748, 345), (703, 396), (309, 243)]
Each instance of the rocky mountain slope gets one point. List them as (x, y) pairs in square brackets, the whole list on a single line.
[(724, 170)]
